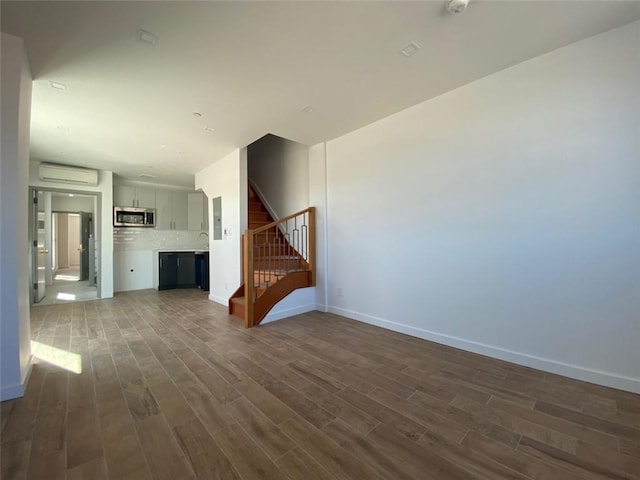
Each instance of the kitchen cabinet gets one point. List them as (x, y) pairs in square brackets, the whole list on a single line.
[(198, 212), (186, 270), (132, 270), (202, 270), (171, 210), (168, 270), (176, 270), (128, 196)]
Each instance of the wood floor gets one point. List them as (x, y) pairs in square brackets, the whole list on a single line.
[(173, 388)]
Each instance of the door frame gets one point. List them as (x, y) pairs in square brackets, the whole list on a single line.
[(97, 228), (35, 280)]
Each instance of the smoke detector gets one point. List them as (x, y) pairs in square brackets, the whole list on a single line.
[(457, 6)]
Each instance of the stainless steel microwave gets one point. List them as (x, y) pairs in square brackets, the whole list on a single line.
[(134, 217)]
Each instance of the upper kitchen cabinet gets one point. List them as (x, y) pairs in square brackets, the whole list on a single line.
[(171, 210), (128, 196), (198, 211)]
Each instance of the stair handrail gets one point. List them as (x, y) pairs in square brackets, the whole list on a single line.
[(281, 220), (248, 241)]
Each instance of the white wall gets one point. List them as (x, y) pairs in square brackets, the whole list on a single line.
[(74, 240), (72, 204), (318, 199), (103, 220), (503, 217), (62, 240), (226, 178), (279, 169), (15, 332), (299, 301)]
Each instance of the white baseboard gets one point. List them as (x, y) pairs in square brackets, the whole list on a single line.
[(17, 390), (220, 300), (573, 371), (289, 312), (10, 392), (321, 308)]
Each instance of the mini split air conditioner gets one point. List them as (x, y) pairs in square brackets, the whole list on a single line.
[(61, 173)]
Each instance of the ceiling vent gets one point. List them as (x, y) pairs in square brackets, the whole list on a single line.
[(63, 174)]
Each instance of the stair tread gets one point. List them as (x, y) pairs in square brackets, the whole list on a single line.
[(238, 300)]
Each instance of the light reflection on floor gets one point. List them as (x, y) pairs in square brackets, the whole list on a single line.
[(61, 358), (65, 296), (68, 278), (67, 288)]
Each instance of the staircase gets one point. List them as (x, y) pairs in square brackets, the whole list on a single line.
[(278, 257)]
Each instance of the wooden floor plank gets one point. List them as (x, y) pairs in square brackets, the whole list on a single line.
[(426, 417), (357, 420), (260, 428), (245, 455), (95, 469), (205, 457), (421, 462), (382, 413), (83, 430), (173, 387), (587, 467), (14, 459), (517, 460), (330, 455), (357, 445), (123, 453), (466, 420), (298, 465), (164, 456), (468, 459), (303, 406)]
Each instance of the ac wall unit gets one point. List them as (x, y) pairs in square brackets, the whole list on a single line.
[(61, 173)]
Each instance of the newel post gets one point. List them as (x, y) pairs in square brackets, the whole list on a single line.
[(312, 244), (248, 278)]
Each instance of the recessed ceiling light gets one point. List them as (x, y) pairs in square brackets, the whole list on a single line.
[(58, 86), (146, 175), (307, 109), (457, 6), (410, 49), (163, 146), (208, 129), (71, 194), (197, 114), (147, 37)]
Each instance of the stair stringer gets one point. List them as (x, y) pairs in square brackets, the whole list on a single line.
[(262, 199), (279, 290)]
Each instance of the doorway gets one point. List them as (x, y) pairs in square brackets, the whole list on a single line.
[(64, 247)]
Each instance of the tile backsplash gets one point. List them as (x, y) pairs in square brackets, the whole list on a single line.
[(152, 239)]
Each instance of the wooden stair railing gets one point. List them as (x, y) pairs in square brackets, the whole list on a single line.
[(277, 259)]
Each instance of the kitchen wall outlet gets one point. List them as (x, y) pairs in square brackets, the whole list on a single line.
[(339, 291)]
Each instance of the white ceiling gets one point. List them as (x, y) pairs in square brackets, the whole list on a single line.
[(251, 67)]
